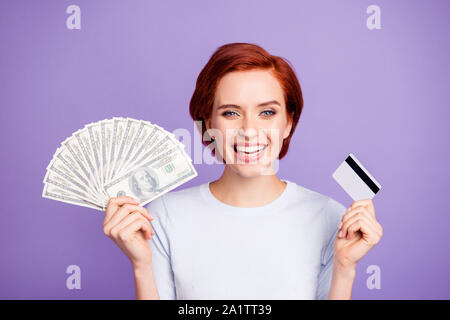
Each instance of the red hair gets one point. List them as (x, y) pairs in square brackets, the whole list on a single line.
[(244, 57)]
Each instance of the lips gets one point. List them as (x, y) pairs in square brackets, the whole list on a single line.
[(249, 152), (249, 149)]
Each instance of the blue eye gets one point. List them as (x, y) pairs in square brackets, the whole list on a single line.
[(271, 112), (226, 113), (230, 113)]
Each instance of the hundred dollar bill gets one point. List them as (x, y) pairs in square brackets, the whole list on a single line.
[(157, 147), (63, 159), (88, 167), (60, 168), (148, 134), (53, 178), (119, 125), (145, 141), (156, 142), (141, 133), (84, 142), (71, 144), (172, 136), (55, 193), (106, 134), (130, 131), (167, 132), (95, 137), (155, 177)]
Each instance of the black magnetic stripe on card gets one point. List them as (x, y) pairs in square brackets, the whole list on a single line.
[(360, 172)]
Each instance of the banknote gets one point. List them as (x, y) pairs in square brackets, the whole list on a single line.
[(113, 157), (55, 193), (155, 177), (63, 170)]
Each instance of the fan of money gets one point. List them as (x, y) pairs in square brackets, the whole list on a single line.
[(117, 157)]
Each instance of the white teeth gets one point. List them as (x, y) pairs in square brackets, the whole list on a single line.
[(251, 149)]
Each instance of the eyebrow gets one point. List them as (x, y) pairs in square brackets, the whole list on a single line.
[(259, 105)]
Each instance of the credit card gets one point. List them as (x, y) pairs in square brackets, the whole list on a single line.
[(355, 179)]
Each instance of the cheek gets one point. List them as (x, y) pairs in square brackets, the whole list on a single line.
[(275, 131), (225, 130)]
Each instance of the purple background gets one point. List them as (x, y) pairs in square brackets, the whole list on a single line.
[(381, 94)]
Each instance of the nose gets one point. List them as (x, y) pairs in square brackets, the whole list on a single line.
[(248, 129)]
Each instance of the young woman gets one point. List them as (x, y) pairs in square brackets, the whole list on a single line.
[(248, 234)]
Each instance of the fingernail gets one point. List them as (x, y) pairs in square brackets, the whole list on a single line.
[(340, 234), (340, 225)]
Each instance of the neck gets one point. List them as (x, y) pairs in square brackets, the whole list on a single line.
[(239, 191)]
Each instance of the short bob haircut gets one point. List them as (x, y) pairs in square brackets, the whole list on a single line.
[(244, 57)]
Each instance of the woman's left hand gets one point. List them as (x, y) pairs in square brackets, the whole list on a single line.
[(358, 232)]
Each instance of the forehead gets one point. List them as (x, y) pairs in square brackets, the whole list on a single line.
[(248, 88)]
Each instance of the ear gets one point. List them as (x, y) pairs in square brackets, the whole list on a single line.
[(208, 128), (288, 128), (208, 124)]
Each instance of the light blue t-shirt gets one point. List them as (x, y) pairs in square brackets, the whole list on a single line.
[(206, 249)]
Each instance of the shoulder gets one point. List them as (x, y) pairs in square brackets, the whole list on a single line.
[(184, 199), (331, 209), (328, 210)]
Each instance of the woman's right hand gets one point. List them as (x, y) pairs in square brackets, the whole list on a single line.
[(128, 225)]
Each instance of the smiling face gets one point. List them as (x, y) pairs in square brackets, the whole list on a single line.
[(249, 121)]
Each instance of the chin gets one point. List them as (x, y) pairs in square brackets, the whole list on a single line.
[(250, 170)]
